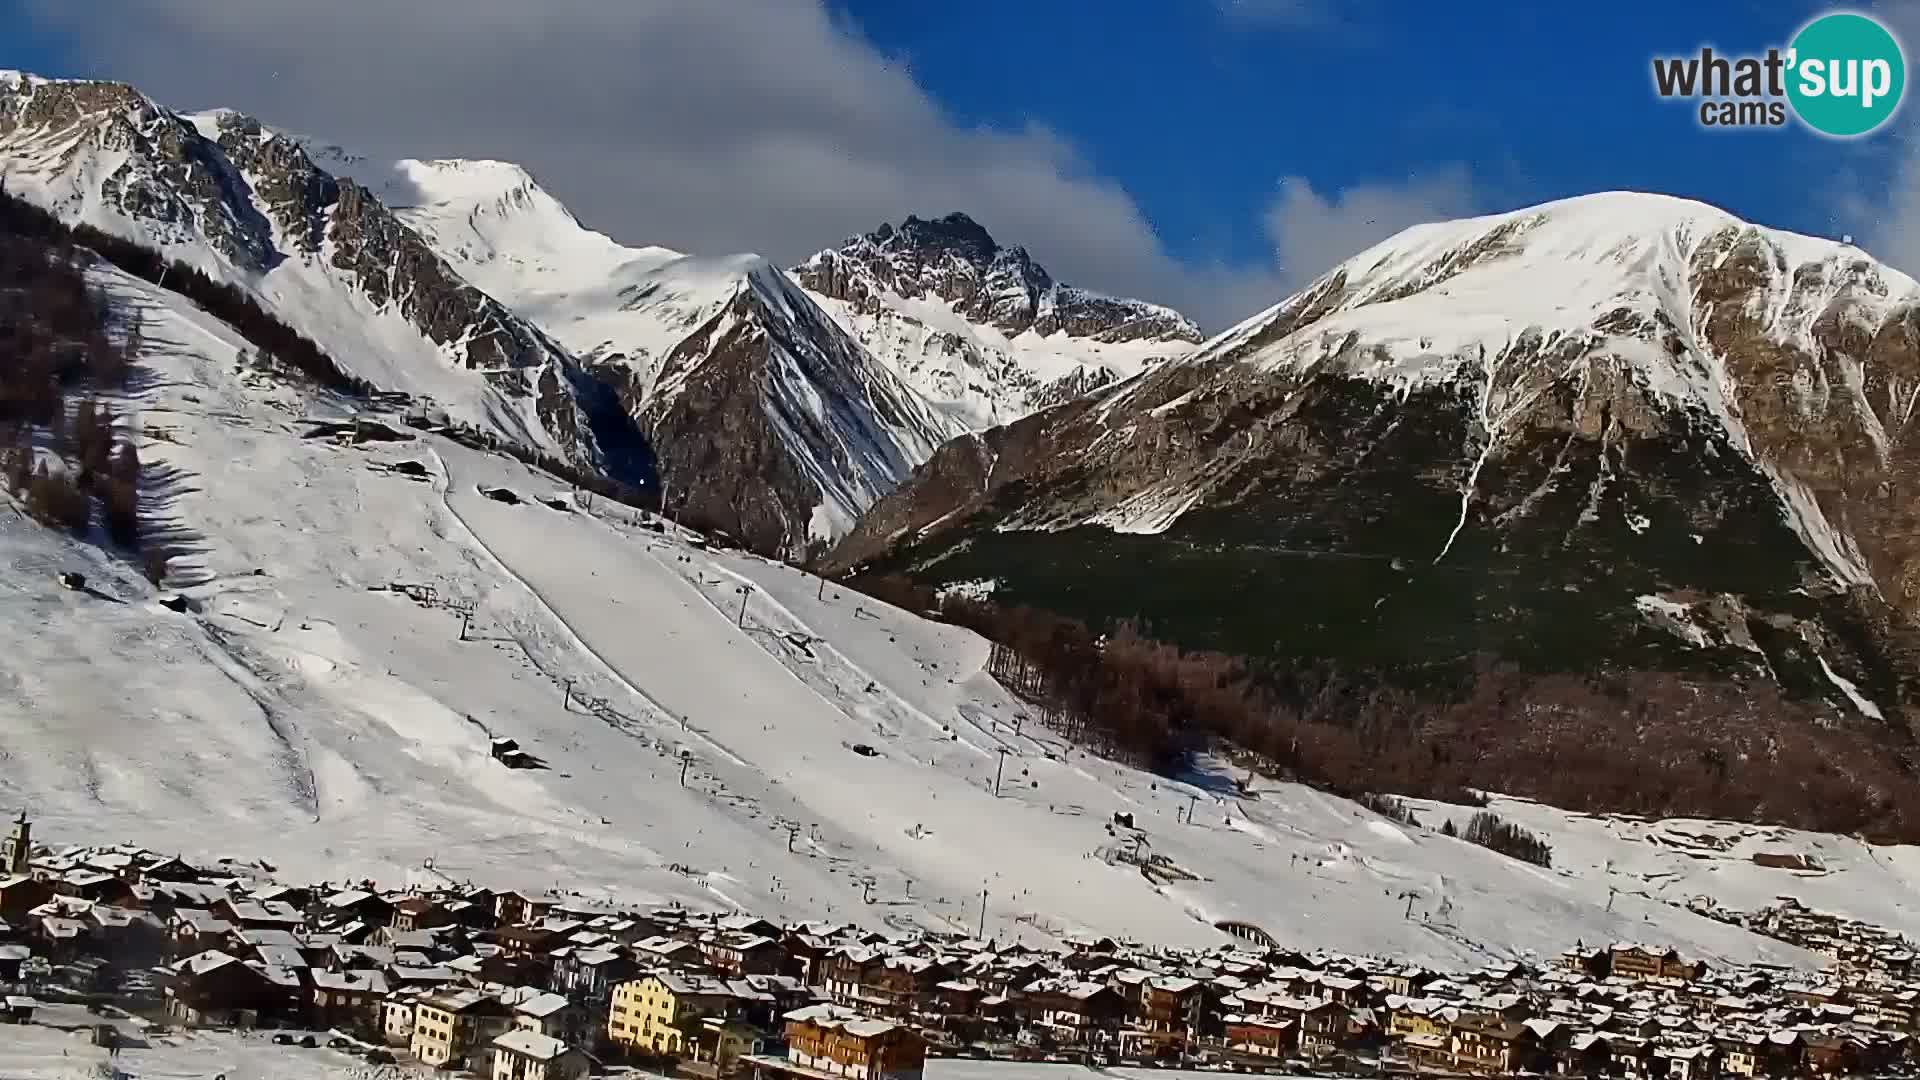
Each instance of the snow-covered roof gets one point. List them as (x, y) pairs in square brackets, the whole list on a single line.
[(678, 983), (433, 973), (530, 1044), (281, 956), (836, 1017), (363, 981), (459, 1001), (543, 1004)]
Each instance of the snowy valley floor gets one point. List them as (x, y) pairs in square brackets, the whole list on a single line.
[(305, 715), (45, 1053)]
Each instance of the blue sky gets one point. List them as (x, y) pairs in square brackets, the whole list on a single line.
[(1199, 112), (1209, 153)]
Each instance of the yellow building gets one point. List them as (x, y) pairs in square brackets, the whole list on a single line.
[(654, 1015), (1422, 1017), (449, 1028)]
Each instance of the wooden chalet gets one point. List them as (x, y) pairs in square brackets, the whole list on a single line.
[(349, 1000), (1322, 1026), (829, 1041), (1173, 1004), (589, 975), (420, 913), (1494, 1044), (902, 986), (1075, 1014), (737, 952), (1642, 963), (216, 988), (516, 908), (20, 894), (517, 939)]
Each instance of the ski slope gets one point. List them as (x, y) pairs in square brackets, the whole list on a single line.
[(305, 715)]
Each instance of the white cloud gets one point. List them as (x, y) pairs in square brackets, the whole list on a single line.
[(1887, 224), (707, 125), (1312, 232), (1885, 219)]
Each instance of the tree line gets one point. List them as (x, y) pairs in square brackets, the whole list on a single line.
[(225, 302), (1654, 743), (1495, 833), (59, 452)]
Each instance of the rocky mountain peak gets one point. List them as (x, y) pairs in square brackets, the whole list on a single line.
[(980, 328), (955, 259), (955, 233), (33, 101), (778, 427)]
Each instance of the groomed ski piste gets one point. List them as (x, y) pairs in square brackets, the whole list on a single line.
[(304, 714)]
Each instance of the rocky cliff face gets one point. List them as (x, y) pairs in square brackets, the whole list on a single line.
[(981, 329), (1621, 430), (249, 206), (775, 427)]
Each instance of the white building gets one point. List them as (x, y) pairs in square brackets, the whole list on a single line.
[(528, 1055), (396, 1019)]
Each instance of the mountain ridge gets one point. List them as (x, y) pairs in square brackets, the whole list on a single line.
[(767, 422), (1513, 404), (981, 329), (626, 311), (247, 206), (459, 284)]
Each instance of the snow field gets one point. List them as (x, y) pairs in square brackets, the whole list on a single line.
[(306, 716), (44, 1053)]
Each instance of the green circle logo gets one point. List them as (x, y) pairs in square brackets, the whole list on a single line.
[(1847, 76)]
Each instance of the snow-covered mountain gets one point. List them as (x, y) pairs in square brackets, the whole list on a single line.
[(1626, 429), (983, 330), (306, 711), (464, 285), (767, 420), (250, 208), (1601, 430), (605, 302)]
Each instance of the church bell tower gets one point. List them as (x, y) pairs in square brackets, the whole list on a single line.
[(18, 849)]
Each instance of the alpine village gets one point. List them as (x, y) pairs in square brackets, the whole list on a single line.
[(123, 944)]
